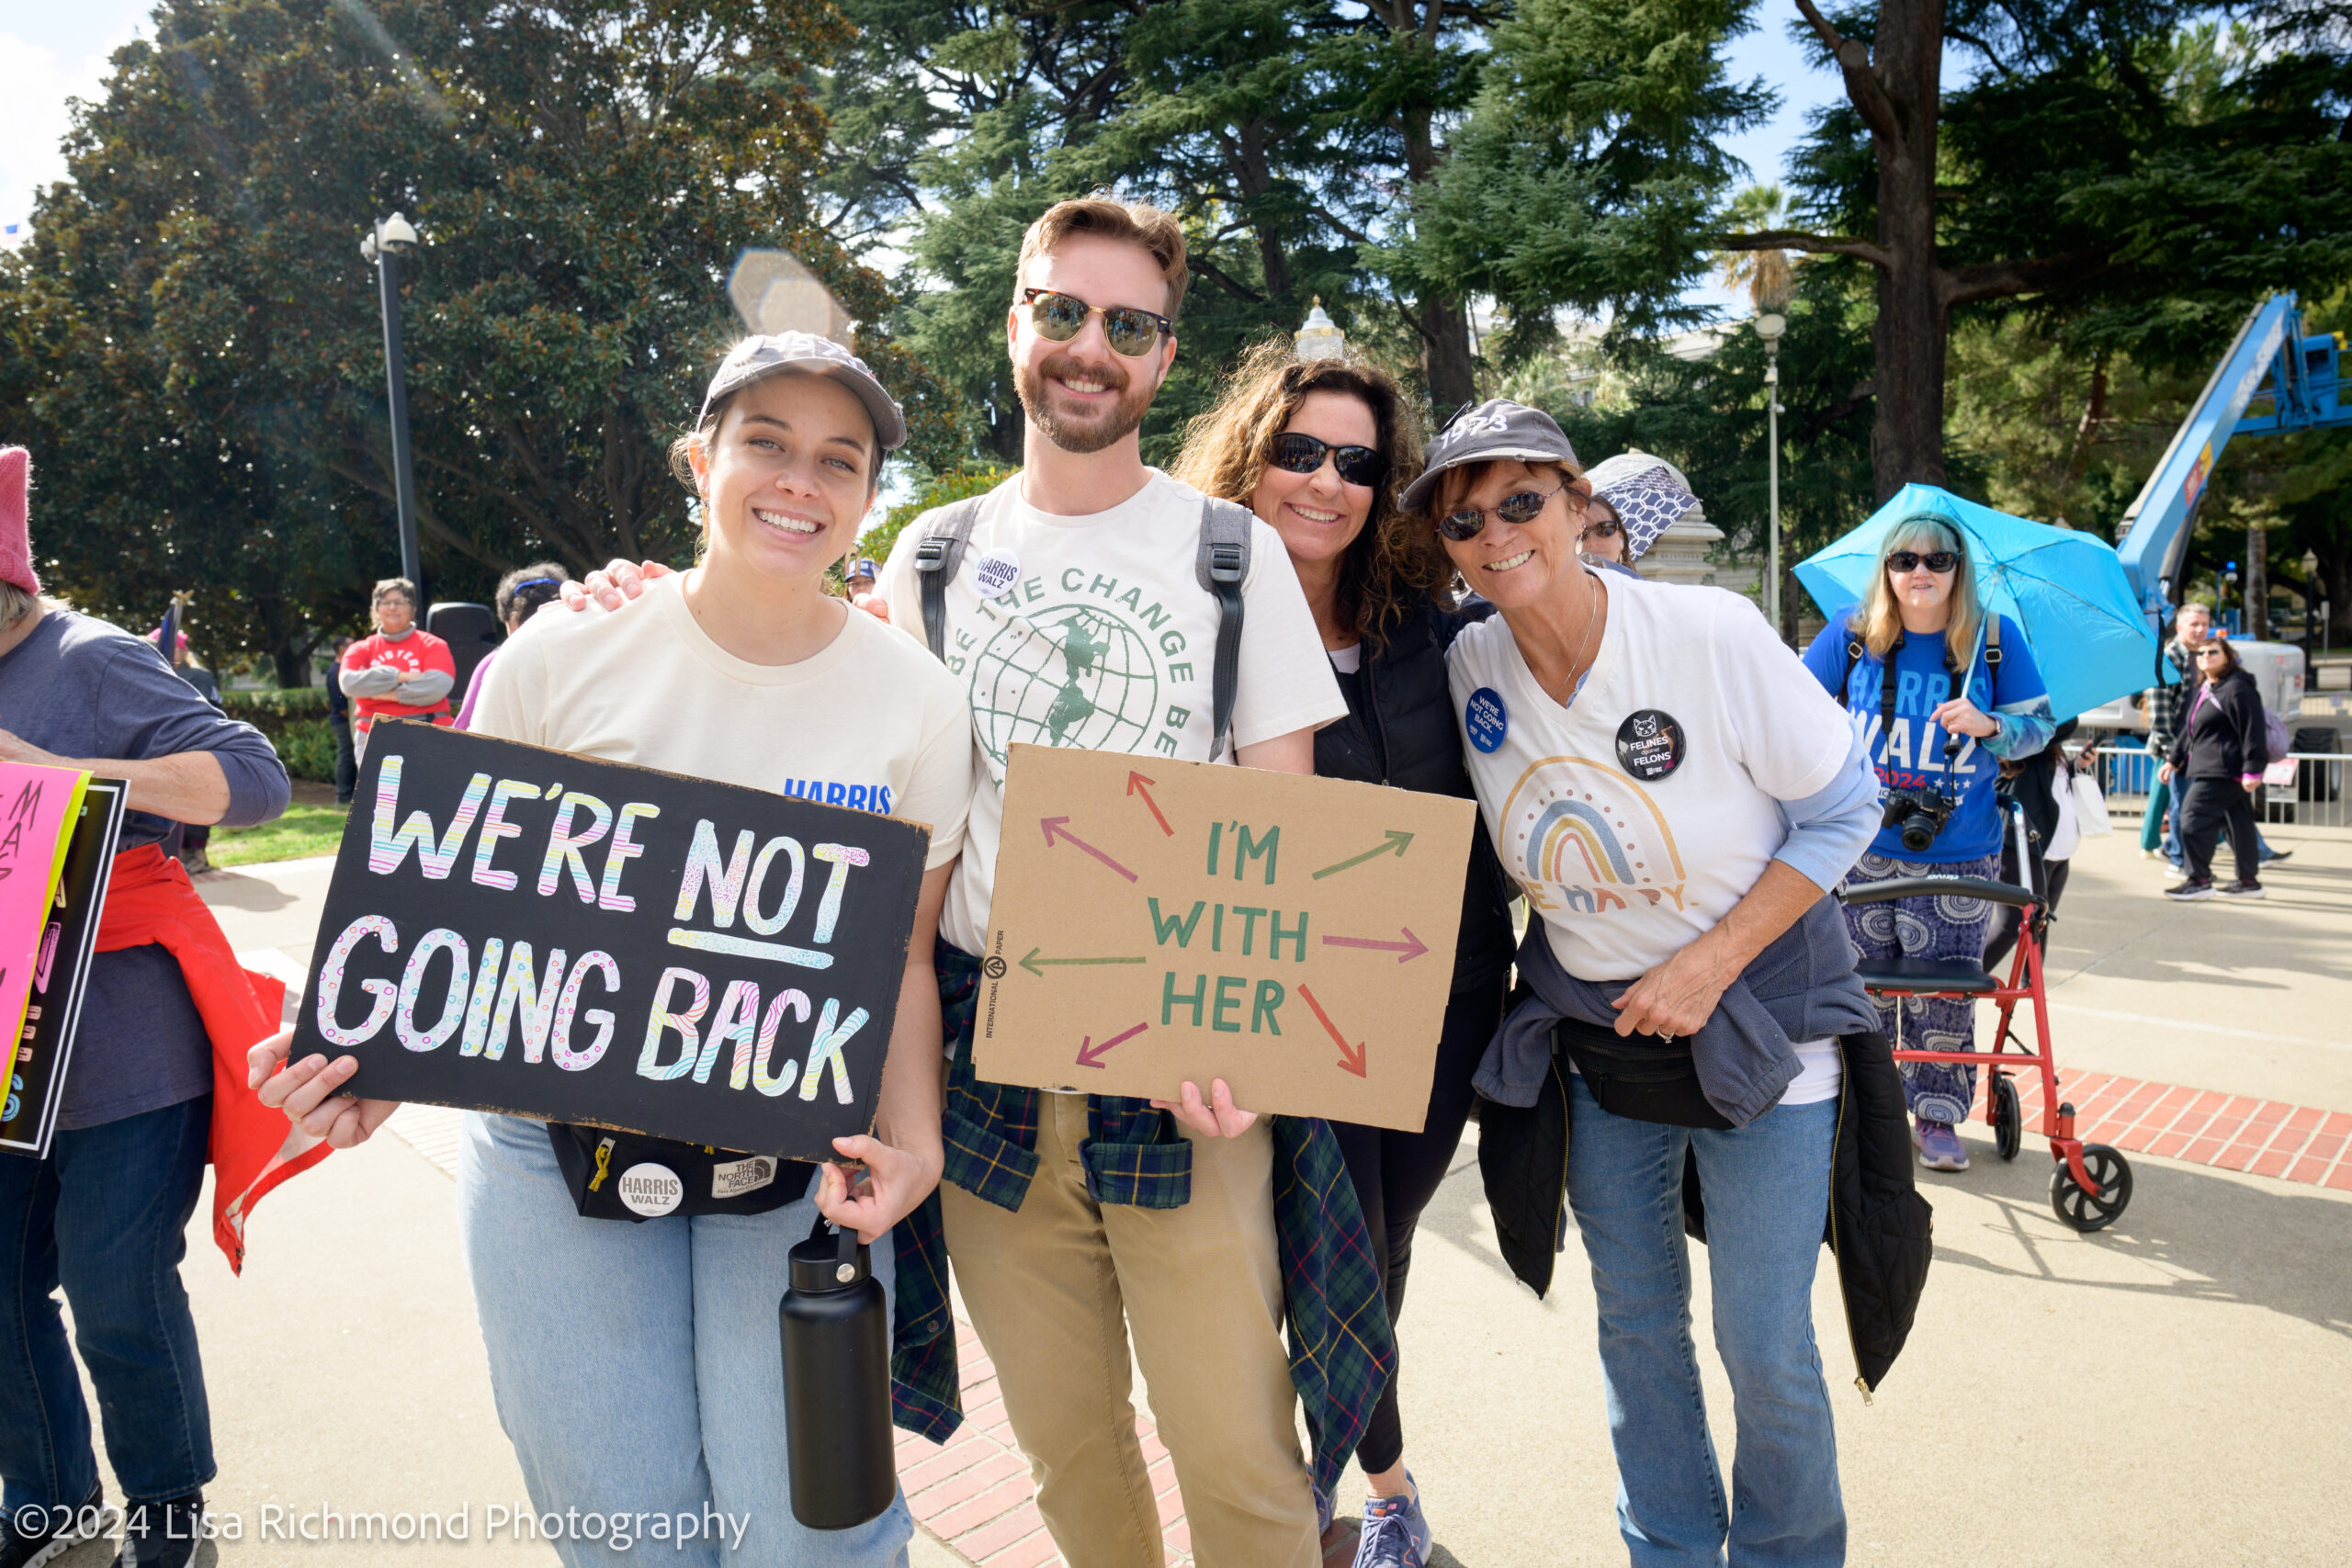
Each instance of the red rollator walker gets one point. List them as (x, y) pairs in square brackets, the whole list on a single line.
[(2092, 1182)]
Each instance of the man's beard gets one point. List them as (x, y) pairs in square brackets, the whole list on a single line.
[(1081, 435)]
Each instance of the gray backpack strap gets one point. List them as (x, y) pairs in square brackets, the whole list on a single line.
[(937, 556), (1223, 562)]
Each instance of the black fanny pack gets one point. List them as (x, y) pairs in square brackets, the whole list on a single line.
[(1643, 1078), (619, 1176)]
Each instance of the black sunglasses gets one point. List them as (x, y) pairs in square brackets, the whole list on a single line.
[(1295, 453), (1061, 317), (1470, 522), (1607, 528), (1909, 560)]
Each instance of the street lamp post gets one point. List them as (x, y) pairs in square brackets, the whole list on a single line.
[(1769, 328), (383, 246)]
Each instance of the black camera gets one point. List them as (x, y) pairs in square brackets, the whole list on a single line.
[(1920, 813)]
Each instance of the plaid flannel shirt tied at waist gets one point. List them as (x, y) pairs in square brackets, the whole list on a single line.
[(1341, 1352)]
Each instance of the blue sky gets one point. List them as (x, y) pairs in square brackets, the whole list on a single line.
[(50, 51)]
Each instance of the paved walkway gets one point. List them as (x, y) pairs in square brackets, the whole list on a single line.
[(2171, 1390)]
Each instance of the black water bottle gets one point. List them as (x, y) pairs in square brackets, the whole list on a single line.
[(837, 1384)]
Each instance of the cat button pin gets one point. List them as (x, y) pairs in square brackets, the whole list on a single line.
[(1649, 744)]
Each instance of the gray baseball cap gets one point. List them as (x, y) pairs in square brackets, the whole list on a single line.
[(1496, 428), (771, 353)]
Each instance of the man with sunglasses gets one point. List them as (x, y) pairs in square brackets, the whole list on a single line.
[(1074, 615)]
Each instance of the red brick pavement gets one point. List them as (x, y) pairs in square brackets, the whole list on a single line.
[(2268, 1138)]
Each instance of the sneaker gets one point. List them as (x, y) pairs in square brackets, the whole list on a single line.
[(163, 1535), (2191, 890), (1396, 1535), (32, 1535), (2152, 855), (1939, 1147), (2272, 857), (2241, 890)]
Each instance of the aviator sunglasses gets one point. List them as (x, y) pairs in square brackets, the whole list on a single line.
[(1524, 507), (1909, 560), (1295, 453), (1061, 317)]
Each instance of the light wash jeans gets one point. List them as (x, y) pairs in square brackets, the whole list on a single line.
[(1767, 1187), (638, 1368)]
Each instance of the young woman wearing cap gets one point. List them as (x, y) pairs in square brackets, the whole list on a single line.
[(1320, 449), (1674, 797), (636, 1364)]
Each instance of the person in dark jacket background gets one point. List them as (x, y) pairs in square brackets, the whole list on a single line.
[(1321, 448), (2216, 763)]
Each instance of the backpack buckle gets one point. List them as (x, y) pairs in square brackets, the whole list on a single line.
[(1225, 563), (931, 553)]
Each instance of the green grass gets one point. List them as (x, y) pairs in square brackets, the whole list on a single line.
[(304, 830)]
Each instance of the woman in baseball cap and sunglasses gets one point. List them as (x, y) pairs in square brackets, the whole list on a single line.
[(634, 1357), (1675, 797), (1321, 448)]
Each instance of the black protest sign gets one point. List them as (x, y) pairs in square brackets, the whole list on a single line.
[(519, 930)]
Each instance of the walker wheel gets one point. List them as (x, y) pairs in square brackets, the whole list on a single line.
[(2079, 1209), (2008, 1119)]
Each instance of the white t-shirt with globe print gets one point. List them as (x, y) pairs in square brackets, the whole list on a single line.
[(1095, 632)]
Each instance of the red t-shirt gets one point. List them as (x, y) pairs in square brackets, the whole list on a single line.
[(419, 650)]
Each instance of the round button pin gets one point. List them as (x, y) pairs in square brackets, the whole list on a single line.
[(1485, 719), (1649, 744)]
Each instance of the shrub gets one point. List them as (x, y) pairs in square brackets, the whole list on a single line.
[(307, 747)]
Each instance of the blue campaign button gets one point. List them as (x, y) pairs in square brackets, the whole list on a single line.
[(1485, 719)]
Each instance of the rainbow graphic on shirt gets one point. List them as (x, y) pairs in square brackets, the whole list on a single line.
[(1580, 835)]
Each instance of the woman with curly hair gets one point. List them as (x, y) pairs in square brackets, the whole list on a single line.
[(1321, 449)]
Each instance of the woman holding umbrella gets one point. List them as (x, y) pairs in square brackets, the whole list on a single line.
[(1945, 695)]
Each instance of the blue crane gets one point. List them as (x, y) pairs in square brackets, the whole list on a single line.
[(2290, 381)]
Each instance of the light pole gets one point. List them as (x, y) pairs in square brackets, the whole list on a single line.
[(1769, 328), (383, 246)]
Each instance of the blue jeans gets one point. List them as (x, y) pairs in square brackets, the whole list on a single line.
[(639, 1368), (1767, 1187), (105, 1216)]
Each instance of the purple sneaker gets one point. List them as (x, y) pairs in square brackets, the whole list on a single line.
[(1396, 1535), (1940, 1146)]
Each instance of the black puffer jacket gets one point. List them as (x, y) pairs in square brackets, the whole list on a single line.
[(1879, 1227), (1400, 731), (2224, 739)]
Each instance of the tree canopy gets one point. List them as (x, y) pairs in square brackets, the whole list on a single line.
[(194, 342)]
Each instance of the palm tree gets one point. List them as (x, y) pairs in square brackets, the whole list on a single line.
[(1765, 276)]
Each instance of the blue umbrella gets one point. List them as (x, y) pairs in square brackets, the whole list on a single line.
[(2065, 590)]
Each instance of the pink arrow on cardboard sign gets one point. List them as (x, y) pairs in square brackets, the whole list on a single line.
[(1090, 1055), (1412, 947)]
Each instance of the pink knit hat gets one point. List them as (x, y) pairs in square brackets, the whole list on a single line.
[(15, 543)]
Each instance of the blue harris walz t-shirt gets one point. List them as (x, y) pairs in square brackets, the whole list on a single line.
[(1910, 755)]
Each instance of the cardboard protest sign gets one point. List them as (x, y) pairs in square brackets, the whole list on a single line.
[(515, 929), (1158, 921), (61, 973), (38, 809)]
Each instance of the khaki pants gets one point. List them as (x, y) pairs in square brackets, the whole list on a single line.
[(1054, 1291)]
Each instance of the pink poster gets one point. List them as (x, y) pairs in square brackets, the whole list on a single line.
[(38, 807)]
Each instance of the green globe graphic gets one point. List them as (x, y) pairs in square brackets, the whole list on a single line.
[(1071, 675)]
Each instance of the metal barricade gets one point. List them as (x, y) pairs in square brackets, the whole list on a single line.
[(2127, 773)]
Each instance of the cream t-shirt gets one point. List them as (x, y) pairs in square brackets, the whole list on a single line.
[(1095, 632), (1628, 860), (868, 722)]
